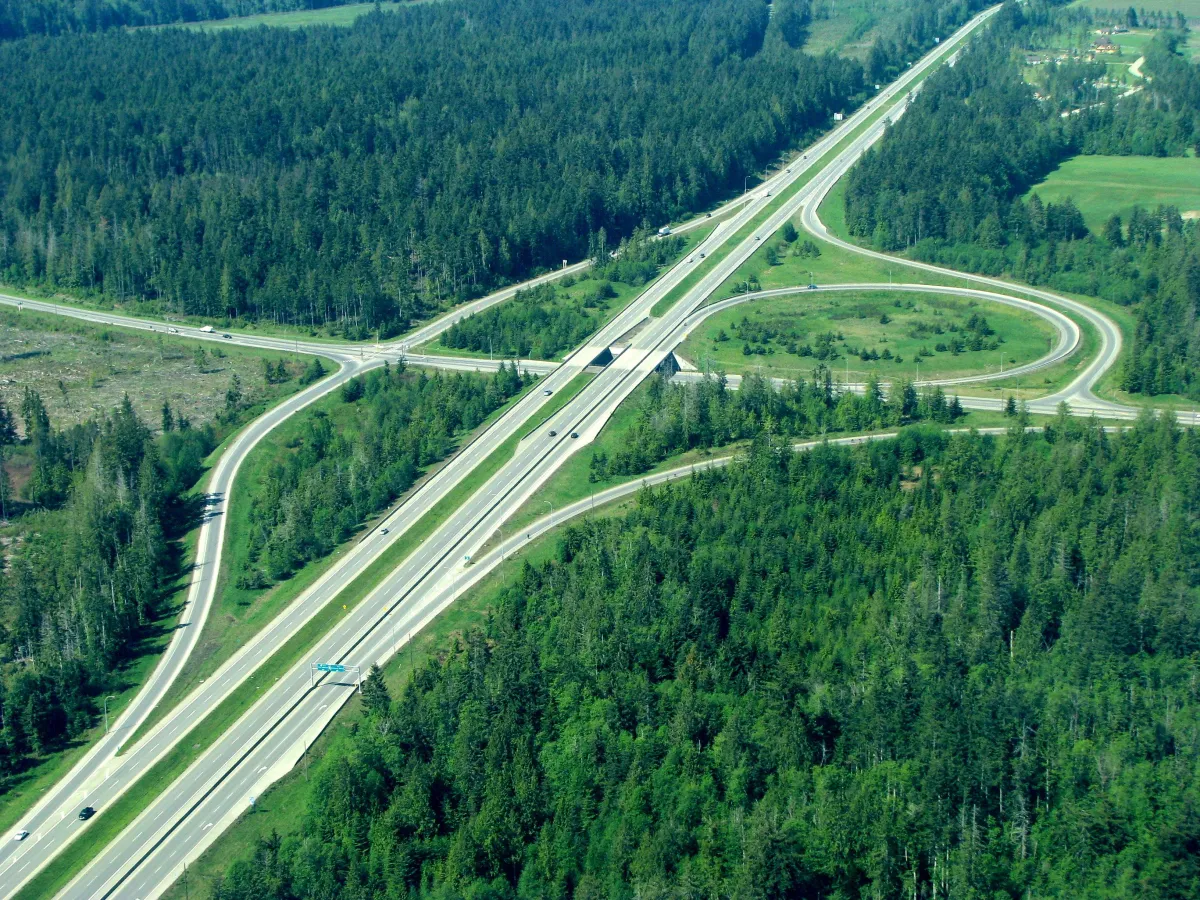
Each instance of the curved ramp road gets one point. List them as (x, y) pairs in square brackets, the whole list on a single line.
[(1078, 394), (268, 739), (1068, 333), (96, 764)]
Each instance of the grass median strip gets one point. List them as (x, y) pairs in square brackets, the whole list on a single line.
[(574, 386)]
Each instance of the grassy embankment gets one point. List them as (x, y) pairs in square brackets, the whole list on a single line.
[(238, 614)]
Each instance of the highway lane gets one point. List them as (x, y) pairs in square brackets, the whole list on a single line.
[(106, 778), (101, 777), (68, 792), (269, 729)]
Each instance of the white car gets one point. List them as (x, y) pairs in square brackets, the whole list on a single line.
[(20, 835), (547, 391)]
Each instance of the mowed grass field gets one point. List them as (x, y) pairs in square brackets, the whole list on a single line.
[(1102, 186), (898, 324), (333, 15), (1190, 8)]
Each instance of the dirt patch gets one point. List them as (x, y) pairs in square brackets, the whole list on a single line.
[(82, 371)]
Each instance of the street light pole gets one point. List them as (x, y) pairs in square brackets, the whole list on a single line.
[(106, 699), (551, 505)]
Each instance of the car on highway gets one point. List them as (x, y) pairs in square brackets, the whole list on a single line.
[(384, 531), (20, 835), (172, 331), (702, 256), (547, 391), (574, 434), (553, 433), (691, 258), (227, 337), (86, 813), (708, 215)]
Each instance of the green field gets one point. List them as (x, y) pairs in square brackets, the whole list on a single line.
[(333, 15), (1102, 186), (849, 27), (786, 337), (1190, 8)]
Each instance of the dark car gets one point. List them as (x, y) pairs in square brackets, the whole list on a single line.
[(227, 337), (553, 433), (86, 813), (574, 434)]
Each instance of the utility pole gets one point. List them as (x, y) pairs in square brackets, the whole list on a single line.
[(551, 505), (106, 699)]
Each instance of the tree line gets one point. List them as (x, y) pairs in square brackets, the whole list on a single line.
[(672, 418), (937, 666), (370, 176), (947, 181)]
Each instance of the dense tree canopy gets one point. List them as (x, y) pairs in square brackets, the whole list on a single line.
[(673, 418), (87, 570), (946, 185), (932, 667), (369, 175)]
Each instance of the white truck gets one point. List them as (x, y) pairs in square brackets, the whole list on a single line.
[(207, 329), (664, 231)]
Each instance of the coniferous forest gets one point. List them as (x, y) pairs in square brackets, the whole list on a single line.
[(96, 554), (90, 566), (938, 666), (371, 175), (946, 185)]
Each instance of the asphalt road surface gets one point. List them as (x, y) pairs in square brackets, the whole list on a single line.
[(269, 739)]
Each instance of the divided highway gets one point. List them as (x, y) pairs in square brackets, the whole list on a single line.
[(268, 740), (270, 737)]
